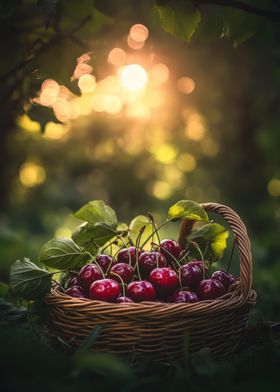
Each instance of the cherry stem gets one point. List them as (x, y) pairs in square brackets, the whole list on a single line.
[(100, 269), (155, 230), (159, 227), (201, 255), (138, 239), (185, 255), (231, 253), (180, 278), (122, 282), (170, 254)]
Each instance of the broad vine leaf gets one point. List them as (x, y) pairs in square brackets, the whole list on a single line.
[(63, 253), (216, 234), (179, 18), (29, 281), (87, 235), (97, 211), (187, 209), (136, 224)]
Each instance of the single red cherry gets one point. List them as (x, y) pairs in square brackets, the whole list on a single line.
[(76, 291), (105, 261), (184, 296), (73, 282), (104, 290), (170, 247), (165, 280), (88, 274), (149, 261), (191, 274), (224, 277), (123, 299), (128, 255), (210, 289), (141, 291), (121, 271)]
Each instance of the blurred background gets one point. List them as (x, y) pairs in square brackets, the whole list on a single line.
[(141, 120)]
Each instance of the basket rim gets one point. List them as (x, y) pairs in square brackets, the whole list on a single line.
[(232, 300)]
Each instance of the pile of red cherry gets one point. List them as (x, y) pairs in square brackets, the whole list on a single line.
[(136, 275)]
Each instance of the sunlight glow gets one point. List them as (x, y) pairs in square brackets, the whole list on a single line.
[(186, 162), (160, 73), (133, 77)]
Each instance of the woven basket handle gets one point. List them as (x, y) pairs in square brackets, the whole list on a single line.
[(242, 240)]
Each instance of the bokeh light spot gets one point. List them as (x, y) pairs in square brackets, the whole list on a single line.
[(185, 85), (160, 73), (87, 83), (164, 153), (273, 187), (186, 162), (55, 131), (27, 124), (117, 56), (31, 174), (161, 190), (139, 32)]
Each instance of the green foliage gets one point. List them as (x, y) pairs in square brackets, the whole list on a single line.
[(42, 115), (63, 253), (93, 236), (29, 281), (187, 209), (179, 18), (97, 211), (217, 236), (11, 314)]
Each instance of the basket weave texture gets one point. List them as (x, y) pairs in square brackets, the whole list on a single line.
[(161, 330)]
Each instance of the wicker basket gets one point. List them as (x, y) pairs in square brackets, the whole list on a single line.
[(158, 329)]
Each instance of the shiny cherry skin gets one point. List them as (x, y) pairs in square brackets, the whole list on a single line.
[(88, 274), (149, 261), (172, 247), (224, 277), (191, 274), (73, 282), (123, 299), (210, 289), (128, 255), (184, 296), (141, 290), (105, 261), (104, 290), (165, 281), (76, 291), (121, 271)]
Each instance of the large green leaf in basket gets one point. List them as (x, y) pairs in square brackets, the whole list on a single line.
[(29, 281), (187, 209), (63, 253)]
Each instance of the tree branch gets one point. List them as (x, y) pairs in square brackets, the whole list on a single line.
[(57, 38), (273, 15)]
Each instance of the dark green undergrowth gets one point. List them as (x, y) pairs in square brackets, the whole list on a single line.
[(32, 362)]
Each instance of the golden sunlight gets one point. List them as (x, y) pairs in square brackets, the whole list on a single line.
[(133, 77)]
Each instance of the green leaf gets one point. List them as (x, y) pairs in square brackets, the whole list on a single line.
[(187, 209), (216, 234), (87, 235), (29, 281), (179, 18), (239, 26), (97, 211), (136, 224), (62, 253), (88, 341)]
